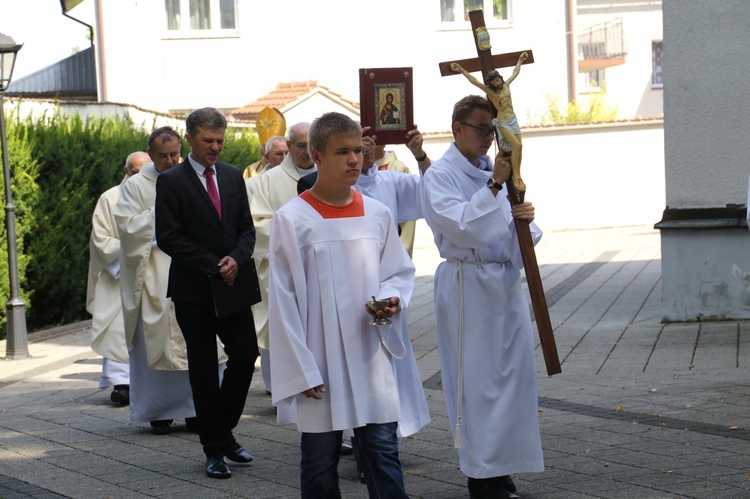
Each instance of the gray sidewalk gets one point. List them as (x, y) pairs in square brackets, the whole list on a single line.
[(641, 409)]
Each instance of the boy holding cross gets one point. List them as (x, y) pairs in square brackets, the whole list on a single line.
[(484, 331)]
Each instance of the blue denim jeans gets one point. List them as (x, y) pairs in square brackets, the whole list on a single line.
[(319, 478)]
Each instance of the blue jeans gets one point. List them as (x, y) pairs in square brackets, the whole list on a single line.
[(319, 478)]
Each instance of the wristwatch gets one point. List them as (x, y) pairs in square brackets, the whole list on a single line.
[(491, 182)]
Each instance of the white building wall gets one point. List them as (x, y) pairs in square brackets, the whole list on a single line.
[(583, 177), (629, 85), (328, 41), (312, 106)]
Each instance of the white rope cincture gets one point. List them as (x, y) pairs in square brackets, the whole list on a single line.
[(459, 401), (459, 395)]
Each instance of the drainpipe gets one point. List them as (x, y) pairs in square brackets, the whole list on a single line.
[(570, 15), (101, 64), (65, 13)]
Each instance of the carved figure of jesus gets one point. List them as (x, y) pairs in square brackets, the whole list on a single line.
[(508, 131)]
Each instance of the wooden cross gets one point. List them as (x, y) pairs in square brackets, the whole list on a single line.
[(486, 62)]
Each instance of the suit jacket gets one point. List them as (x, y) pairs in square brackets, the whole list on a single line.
[(189, 230), (307, 182)]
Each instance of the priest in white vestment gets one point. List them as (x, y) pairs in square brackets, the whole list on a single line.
[(103, 289), (331, 250), (160, 384), (483, 323), (266, 194), (276, 150)]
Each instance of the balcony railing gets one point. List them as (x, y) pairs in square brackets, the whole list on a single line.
[(601, 46)]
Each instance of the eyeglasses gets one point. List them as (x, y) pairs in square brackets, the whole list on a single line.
[(483, 131)]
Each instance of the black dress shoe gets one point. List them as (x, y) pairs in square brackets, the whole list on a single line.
[(120, 394), (216, 467), (161, 427), (488, 488), (507, 483), (238, 454)]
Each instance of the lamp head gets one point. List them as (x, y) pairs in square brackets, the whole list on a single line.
[(8, 51)]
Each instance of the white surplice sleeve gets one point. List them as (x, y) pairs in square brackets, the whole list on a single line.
[(293, 365), (407, 195)]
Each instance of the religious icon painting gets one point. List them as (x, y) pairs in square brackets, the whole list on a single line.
[(386, 104)]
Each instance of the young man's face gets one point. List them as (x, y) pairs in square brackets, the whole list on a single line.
[(469, 140), (206, 145), (165, 154), (339, 164)]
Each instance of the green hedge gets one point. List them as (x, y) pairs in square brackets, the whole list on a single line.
[(60, 166)]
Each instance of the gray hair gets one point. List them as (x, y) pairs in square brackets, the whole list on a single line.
[(330, 124), (133, 157), (290, 130), (275, 138), (207, 118)]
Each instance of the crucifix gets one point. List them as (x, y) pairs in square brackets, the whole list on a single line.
[(486, 63)]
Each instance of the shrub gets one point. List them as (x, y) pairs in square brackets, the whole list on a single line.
[(60, 166), (589, 108)]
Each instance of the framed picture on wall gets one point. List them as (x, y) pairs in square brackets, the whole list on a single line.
[(386, 103)]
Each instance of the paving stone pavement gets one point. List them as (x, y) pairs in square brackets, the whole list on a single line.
[(642, 409)]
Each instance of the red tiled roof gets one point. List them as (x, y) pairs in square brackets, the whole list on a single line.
[(284, 94)]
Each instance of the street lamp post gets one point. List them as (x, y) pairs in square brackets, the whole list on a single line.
[(16, 346)]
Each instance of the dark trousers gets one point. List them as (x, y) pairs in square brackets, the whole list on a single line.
[(218, 406), (319, 478)]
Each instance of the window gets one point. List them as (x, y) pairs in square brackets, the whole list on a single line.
[(591, 81), (657, 55), (452, 11), (200, 15)]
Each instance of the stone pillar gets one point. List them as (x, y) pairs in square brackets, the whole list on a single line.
[(704, 236)]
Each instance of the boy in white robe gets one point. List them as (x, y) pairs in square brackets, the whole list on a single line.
[(330, 251), (483, 323), (399, 192)]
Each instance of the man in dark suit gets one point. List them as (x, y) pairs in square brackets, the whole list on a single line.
[(203, 222)]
